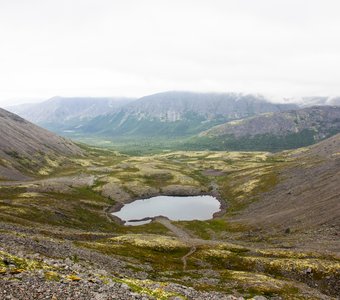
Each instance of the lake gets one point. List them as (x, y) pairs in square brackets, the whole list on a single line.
[(175, 208)]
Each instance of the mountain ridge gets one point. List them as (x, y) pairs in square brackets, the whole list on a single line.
[(179, 113), (29, 148), (275, 131), (282, 122), (58, 112)]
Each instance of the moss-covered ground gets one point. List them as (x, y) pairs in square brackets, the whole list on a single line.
[(72, 202)]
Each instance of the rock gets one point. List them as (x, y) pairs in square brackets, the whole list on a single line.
[(134, 294), (102, 272), (259, 298), (77, 267), (68, 262), (125, 286)]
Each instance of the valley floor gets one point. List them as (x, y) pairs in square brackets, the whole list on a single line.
[(58, 241)]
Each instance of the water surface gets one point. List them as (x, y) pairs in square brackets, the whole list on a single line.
[(173, 207)]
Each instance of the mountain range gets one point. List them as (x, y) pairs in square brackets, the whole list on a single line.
[(168, 113), (277, 230), (60, 113), (220, 121), (176, 114), (275, 131)]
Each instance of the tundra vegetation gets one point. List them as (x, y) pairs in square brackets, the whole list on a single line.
[(69, 202)]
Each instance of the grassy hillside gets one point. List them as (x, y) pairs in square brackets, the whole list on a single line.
[(26, 149)]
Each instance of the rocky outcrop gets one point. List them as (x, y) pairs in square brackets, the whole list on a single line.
[(172, 106), (321, 119), (273, 131)]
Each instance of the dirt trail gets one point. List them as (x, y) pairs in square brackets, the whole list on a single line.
[(176, 230), (183, 236), (184, 258)]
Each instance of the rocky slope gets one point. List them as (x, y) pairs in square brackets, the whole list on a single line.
[(28, 147), (307, 195), (275, 131), (178, 114)]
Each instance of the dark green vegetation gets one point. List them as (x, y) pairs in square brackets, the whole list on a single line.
[(135, 127), (266, 132), (260, 142)]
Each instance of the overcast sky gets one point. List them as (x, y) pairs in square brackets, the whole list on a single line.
[(279, 48)]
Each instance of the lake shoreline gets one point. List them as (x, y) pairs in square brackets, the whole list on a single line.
[(118, 206)]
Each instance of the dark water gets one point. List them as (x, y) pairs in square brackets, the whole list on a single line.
[(175, 208)]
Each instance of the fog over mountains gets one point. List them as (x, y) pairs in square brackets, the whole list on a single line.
[(63, 111), (167, 106), (176, 113), (207, 117), (310, 101)]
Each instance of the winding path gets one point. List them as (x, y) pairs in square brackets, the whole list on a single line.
[(182, 235)]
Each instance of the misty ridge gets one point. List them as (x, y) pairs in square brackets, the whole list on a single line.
[(188, 120)]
